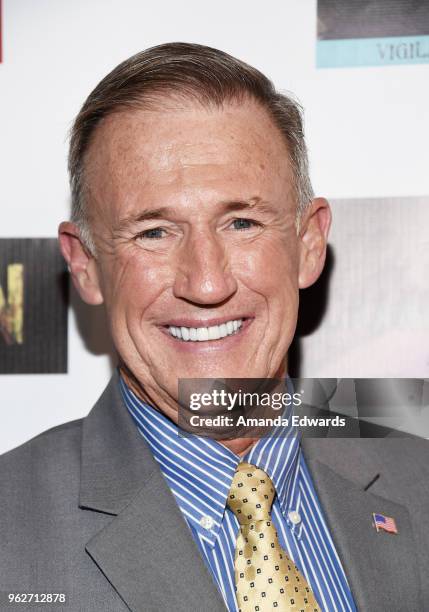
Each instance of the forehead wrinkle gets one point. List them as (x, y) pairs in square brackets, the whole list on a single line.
[(218, 151)]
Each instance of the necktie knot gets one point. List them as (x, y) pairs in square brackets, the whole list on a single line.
[(251, 494)]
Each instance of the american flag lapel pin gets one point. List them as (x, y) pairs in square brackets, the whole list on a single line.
[(384, 523)]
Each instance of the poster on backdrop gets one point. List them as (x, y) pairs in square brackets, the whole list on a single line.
[(374, 292), (372, 32), (33, 307)]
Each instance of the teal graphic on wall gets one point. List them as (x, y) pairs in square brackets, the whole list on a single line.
[(372, 33)]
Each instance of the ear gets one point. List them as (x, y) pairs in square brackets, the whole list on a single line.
[(82, 265), (313, 236)]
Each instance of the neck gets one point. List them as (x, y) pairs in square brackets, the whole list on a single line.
[(239, 446)]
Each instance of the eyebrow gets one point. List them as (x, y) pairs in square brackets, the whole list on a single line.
[(255, 203)]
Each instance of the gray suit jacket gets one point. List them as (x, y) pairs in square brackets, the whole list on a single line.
[(85, 511)]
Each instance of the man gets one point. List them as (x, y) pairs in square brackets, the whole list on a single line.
[(195, 224)]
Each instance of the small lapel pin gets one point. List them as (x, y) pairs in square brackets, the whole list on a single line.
[(385, 523)]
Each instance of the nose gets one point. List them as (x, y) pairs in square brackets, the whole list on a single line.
[(203, 273)]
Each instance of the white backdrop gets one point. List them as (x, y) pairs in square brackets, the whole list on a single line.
[(367, 131)]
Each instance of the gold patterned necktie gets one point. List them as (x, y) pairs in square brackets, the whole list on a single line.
[(265, 577)]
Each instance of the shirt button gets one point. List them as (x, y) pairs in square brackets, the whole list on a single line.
[(294, 517), (207, 522)]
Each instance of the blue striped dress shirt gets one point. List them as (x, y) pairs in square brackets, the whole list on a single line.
[(199, 472)]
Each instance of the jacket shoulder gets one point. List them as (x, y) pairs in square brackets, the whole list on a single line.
[(52, 456)]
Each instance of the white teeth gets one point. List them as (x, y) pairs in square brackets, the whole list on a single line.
[(202, 334), (214, 333)]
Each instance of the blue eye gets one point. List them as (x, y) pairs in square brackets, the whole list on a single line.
[(153, 233), (243, 224)]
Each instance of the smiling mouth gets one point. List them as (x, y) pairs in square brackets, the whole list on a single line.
[(205, 334)]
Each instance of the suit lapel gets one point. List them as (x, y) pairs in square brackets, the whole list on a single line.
[(149, 556), (377, 565), (146, 552)]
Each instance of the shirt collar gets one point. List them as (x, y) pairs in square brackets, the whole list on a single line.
[(199, 470)]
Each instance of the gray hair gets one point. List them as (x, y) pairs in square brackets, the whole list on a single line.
[(185, 71)]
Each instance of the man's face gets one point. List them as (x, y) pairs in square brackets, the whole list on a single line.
[(198, 256)]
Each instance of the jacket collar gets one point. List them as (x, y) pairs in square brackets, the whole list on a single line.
[(115, 463)]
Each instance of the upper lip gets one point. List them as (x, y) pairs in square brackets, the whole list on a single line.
[(185, 322)]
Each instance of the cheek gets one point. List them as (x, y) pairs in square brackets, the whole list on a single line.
[(271, 269), (132, 284)]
